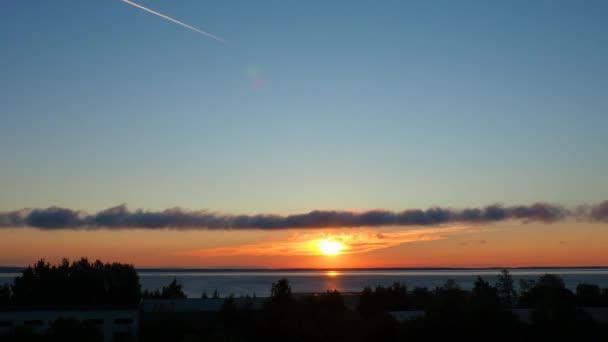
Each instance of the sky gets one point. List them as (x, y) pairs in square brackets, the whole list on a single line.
[(346, 106)]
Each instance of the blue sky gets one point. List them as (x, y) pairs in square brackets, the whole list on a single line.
[(389, 104)]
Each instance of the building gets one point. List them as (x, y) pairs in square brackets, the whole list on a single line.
[(115, 323)]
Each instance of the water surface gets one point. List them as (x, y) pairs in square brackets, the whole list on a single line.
[(259, 282)]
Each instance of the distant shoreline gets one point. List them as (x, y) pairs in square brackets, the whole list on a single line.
[(15, 269)]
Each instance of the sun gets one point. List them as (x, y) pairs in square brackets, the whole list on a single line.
[(330, 247)]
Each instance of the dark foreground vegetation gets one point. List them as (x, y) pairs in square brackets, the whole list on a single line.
[(482, 314), (80, 283), (485, 313)]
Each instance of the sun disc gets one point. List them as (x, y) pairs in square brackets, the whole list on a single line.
[(330, 247)]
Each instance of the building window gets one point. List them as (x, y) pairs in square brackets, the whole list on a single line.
[(123, 321), (33, 322), (4, 324)]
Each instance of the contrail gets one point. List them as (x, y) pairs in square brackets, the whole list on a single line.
[(176, 21)]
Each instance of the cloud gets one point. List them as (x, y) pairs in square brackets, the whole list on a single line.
[(600, 212), (120, 217), (53, 218)]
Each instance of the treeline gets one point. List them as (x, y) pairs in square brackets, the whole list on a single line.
[(547, 288), (485, 313), (450, 313), (81, 283), (173, 290)]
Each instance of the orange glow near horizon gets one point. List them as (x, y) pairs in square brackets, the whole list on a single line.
[(507, 244)]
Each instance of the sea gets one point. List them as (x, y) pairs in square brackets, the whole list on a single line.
[(259, 282)]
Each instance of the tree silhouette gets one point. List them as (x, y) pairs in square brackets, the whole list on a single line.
[(451, 284), (588, 295), (5, 294), (449, 301), (484, 297), (280, 293), (604, 297), (78, 283), (506, 289), (172, 291), (551, 301), (384, 299), (551, 281), (525, 286), (451, 314), (330, 303), (420, 298), (280, 306)]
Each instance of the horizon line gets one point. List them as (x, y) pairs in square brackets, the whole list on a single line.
[(5, 269)]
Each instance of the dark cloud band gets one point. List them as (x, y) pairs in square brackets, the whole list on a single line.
[(120, 217)]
